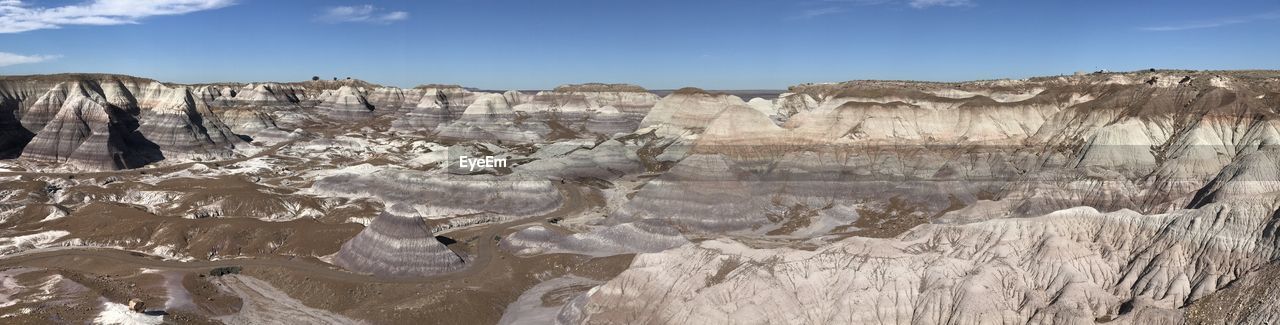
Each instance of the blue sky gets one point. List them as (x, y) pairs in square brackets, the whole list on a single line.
[(715, 44)]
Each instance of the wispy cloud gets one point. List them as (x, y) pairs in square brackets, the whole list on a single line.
[(811, 13), (827, 7), (860, 2), (17, 16), (361, 14), (8, 59), (1214, 23), (922, 4)]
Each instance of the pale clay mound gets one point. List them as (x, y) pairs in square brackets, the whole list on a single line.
[(397, 246)]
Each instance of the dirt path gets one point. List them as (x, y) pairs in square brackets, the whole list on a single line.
[(486, 249)]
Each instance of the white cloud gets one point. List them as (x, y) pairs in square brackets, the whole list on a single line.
[(838, 6), (8, 59), (921, 4), (1214, 23), (17, 16), (361, 14)]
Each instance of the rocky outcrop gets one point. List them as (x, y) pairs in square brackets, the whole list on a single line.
[(254, 125), (346, 104), (21, 117), (1000, 186), (97, 122), (64, 133), (607, 160), (491, 118), (438, 196), (47, 106), (703, 194), (264, 95), (1072, 266), (688, 109), (397, 246), (185, 128), (572, 111), (392, 99), (628, 99), (608, 120), (439, 105), (646, 236), (90, 132), (1063, 143)]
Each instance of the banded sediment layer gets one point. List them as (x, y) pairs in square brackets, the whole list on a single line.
[(397, 246)]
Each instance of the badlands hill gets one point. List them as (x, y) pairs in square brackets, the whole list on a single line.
[(1051, 200), (1148, 197), (107, 122)]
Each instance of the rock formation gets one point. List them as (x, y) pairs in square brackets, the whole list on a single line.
[(607, 160), (644, 236), (397, 246), (1131, 198), (90, 132), (628, 99), (1067, 267), (185, 128), (689, 108), (608, 120), (392, 99), (257, 125), (438, 196), (490, 118), (98, 122), (1013, 175), (47, 106), (439, 105), (265, 95), (347, 104)]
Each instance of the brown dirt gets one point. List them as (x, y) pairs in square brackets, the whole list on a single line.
[(795, 218), (477, 295), (1244, 297), (895, 218)]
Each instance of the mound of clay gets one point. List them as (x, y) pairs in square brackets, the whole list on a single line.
[(347, 104), (185, 128), (397, 246), (689, 108), (83, 134), (491, 118), (438, 106)]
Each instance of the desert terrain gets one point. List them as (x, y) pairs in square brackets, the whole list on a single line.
[(1145, 197)]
